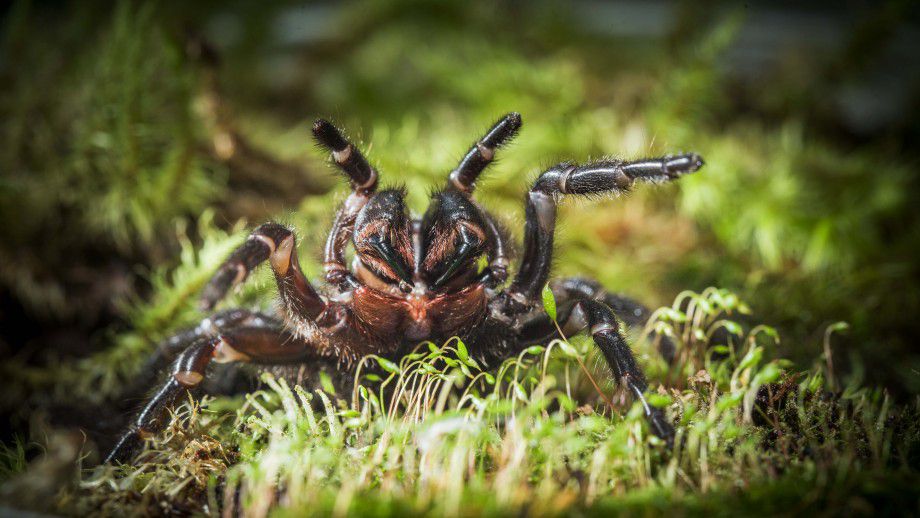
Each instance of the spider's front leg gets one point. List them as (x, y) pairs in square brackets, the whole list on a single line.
[(276, 243), (363, 180), (614, 177), (251, 338), (524, 293), (463, 179)]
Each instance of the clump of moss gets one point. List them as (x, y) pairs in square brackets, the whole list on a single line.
[(437, 435)]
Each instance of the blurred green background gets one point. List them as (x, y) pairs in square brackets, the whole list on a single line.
[(130, 133)]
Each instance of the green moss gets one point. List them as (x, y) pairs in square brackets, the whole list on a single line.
[(439, 436)]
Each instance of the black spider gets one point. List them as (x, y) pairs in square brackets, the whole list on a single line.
[(413, 280)]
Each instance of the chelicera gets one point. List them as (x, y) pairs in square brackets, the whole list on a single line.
[(415, 279)]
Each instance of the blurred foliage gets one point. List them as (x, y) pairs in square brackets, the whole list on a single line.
[(98, 149)]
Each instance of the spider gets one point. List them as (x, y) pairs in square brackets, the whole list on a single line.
[(414, 279)]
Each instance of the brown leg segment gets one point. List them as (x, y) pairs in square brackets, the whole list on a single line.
[(260, 340), (276, 243)]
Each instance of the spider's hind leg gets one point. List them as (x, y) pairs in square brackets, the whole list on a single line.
[(630, 311), (255, 339), (167, 350), (578, 313)]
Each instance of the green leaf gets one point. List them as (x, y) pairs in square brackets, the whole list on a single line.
[(387, 365), (674, 315), (326, 382), (729, 401), (838, 327), (535, 350), (770, 373), (751, 359), (462, 352), (519, 391), (482, 263), (549, 302), (733, 328), (568, 349), (658, 400)]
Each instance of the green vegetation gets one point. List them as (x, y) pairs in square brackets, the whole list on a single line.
[(440, 436), (120, 202)]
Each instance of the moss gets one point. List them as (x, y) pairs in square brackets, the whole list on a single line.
[(439, 436)]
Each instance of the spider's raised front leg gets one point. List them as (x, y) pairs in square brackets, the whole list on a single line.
[(463, 179), (247, 337), (481, 154), (566, 178), (523, 294), (363, 180), (276, 243)]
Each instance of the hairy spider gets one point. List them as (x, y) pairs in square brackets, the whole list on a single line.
[(414, 279)]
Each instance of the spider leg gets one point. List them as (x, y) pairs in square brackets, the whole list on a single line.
[(580, 313), (632, 312), (363, 180), (497, 272), (463, 179), (276, 243), (168, 349), (481, 154), (604, 330), (258, 339), (566, 178), (346, 156)]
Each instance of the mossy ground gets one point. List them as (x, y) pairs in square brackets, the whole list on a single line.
[(437, 435)]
